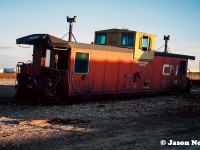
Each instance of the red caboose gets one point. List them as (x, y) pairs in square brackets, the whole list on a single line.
[(119, 62)]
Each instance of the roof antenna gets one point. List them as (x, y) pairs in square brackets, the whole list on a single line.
[(71, 20), (166, 38)]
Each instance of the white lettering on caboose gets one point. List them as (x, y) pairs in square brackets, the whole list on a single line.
[(168, 69)]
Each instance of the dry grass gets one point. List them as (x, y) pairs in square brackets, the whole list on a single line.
[(5, 76), (195, 75)]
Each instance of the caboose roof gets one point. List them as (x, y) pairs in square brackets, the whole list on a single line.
[(116, 30), (52, 41), (41, 40)]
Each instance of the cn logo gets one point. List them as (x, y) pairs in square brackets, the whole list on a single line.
[(168, 69)]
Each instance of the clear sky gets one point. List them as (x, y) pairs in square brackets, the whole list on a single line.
[(178, 18)]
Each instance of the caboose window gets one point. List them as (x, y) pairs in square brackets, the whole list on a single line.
[(45, 59), (48, 57), (127, 40), (183, 66), (81, 63), (101, 39), (145, 43)]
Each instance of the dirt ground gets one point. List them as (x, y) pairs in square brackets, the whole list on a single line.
[(137, 123)]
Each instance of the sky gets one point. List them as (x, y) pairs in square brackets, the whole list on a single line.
[(178, 18)]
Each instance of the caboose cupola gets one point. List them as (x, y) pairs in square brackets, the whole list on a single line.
[(143, 44)]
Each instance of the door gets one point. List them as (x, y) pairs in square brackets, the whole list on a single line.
[(80, 75), (182, 74), (61, 61)]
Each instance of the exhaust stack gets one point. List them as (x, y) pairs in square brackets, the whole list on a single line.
[(166, 38)]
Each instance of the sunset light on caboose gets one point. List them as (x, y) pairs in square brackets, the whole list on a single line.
[(106, 74), (119, 62)]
